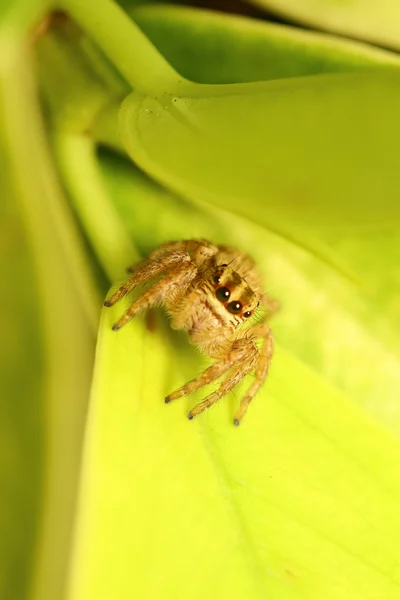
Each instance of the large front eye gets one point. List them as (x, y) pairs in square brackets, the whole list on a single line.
[(223, 294), (234, 307)]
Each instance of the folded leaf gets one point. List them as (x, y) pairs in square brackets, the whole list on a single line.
[(371, 21), (299, 154), (215, 47)]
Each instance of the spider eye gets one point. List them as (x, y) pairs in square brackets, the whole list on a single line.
[(234, 307), (247, 314), (217, 279), (223, 294), (224, 265)]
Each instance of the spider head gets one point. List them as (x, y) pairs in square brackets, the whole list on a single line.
[(234, 300)]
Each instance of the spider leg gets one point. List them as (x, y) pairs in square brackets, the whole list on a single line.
[(233, 379), (272, 305), (174, 284), (198, 249), (210, 374), (147, 270), (264, 360)]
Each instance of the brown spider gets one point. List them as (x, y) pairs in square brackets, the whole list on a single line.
[(210, 291)]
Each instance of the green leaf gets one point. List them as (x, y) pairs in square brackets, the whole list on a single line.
[(48, 340), (213, 47), (295, 155), (377, 256), (21, 407), (374, 22), (300, 501)]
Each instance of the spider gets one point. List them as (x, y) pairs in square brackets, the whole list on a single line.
[(210, 291)]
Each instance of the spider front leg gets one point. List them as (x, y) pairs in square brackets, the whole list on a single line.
[(264, 361), (240, 360), (146, 270), (244, 358), (173, 286), (231, 381), (271, 305), (209, 375)]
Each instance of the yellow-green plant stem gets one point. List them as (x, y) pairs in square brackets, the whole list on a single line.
[(78, 164), (132, 53), (128, 48)]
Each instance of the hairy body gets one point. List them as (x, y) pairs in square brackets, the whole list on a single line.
[(210, 291)]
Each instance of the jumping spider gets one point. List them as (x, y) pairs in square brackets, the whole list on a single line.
[(210, 291)]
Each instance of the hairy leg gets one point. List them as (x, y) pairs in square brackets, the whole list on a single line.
[(198, 249), (147, 270), (272, 305), (242, 359), (264, 360), (211, 374), (232, 380), (173, 285)]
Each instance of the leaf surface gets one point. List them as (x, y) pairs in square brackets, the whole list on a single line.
[(300, 502), (378, 23), (213, 47), (298, 155)]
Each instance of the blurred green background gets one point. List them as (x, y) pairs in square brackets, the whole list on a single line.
[(76, 211)]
